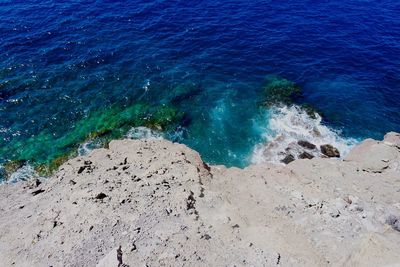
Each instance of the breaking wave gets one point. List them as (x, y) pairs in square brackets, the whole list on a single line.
[(24, 173), (288, 125), (144, 133)]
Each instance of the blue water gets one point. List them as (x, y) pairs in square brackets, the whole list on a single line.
[(61, 60)]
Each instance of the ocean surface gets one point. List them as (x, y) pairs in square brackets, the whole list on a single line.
[(67, 68)]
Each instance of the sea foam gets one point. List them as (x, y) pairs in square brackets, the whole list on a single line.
[(24, 173), (144, 133), (289, 124)]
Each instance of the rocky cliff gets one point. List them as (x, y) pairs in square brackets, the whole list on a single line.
[(165, 207)]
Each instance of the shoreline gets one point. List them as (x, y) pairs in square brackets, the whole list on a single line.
[(163, 205)]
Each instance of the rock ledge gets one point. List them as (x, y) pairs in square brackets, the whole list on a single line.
[(165, 207)]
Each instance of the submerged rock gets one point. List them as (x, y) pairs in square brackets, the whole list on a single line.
[(46, 151), (330, 151), (184, 92), (279, 90)]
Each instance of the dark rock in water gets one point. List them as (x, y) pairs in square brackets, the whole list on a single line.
[(306, 144), (184, 92), (330, 151), (279, 90), (289, 158), (305, 155)]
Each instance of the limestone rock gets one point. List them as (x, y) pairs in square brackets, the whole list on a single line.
[(374, 156), (166, 207)]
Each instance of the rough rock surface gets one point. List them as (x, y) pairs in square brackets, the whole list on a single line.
[(166, 207), (306, 144), (330, 151)]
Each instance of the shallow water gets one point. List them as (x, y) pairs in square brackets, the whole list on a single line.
[(60, 62)]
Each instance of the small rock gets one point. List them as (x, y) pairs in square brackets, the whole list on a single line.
[(306, 144), (101, 196), (81, 169), (190, 202), (206, 236), (289, 158), (330, 151), (305, 155), (36, 183)]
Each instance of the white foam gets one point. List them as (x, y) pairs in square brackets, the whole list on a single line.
[(146, 86), (85, 148), (24, 173), (144, 133), (287, 125)]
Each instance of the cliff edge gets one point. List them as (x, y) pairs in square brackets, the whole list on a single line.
[(165, 207)]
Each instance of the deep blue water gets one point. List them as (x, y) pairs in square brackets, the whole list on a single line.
[(61, 60)]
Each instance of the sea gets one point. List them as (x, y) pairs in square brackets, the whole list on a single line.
[(74, 74)]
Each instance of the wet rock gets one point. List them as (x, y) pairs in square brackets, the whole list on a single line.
[(305, 155), (306, 144), (289, 158), (330, 151)]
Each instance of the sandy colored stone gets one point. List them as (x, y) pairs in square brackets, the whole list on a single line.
[(166, 207)]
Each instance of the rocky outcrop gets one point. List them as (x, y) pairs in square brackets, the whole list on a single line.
[(330, 151), (306, 144), (165, 207), (377, 156), (289, 158)]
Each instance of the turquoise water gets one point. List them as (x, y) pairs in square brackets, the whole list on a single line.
[(68, 69)]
